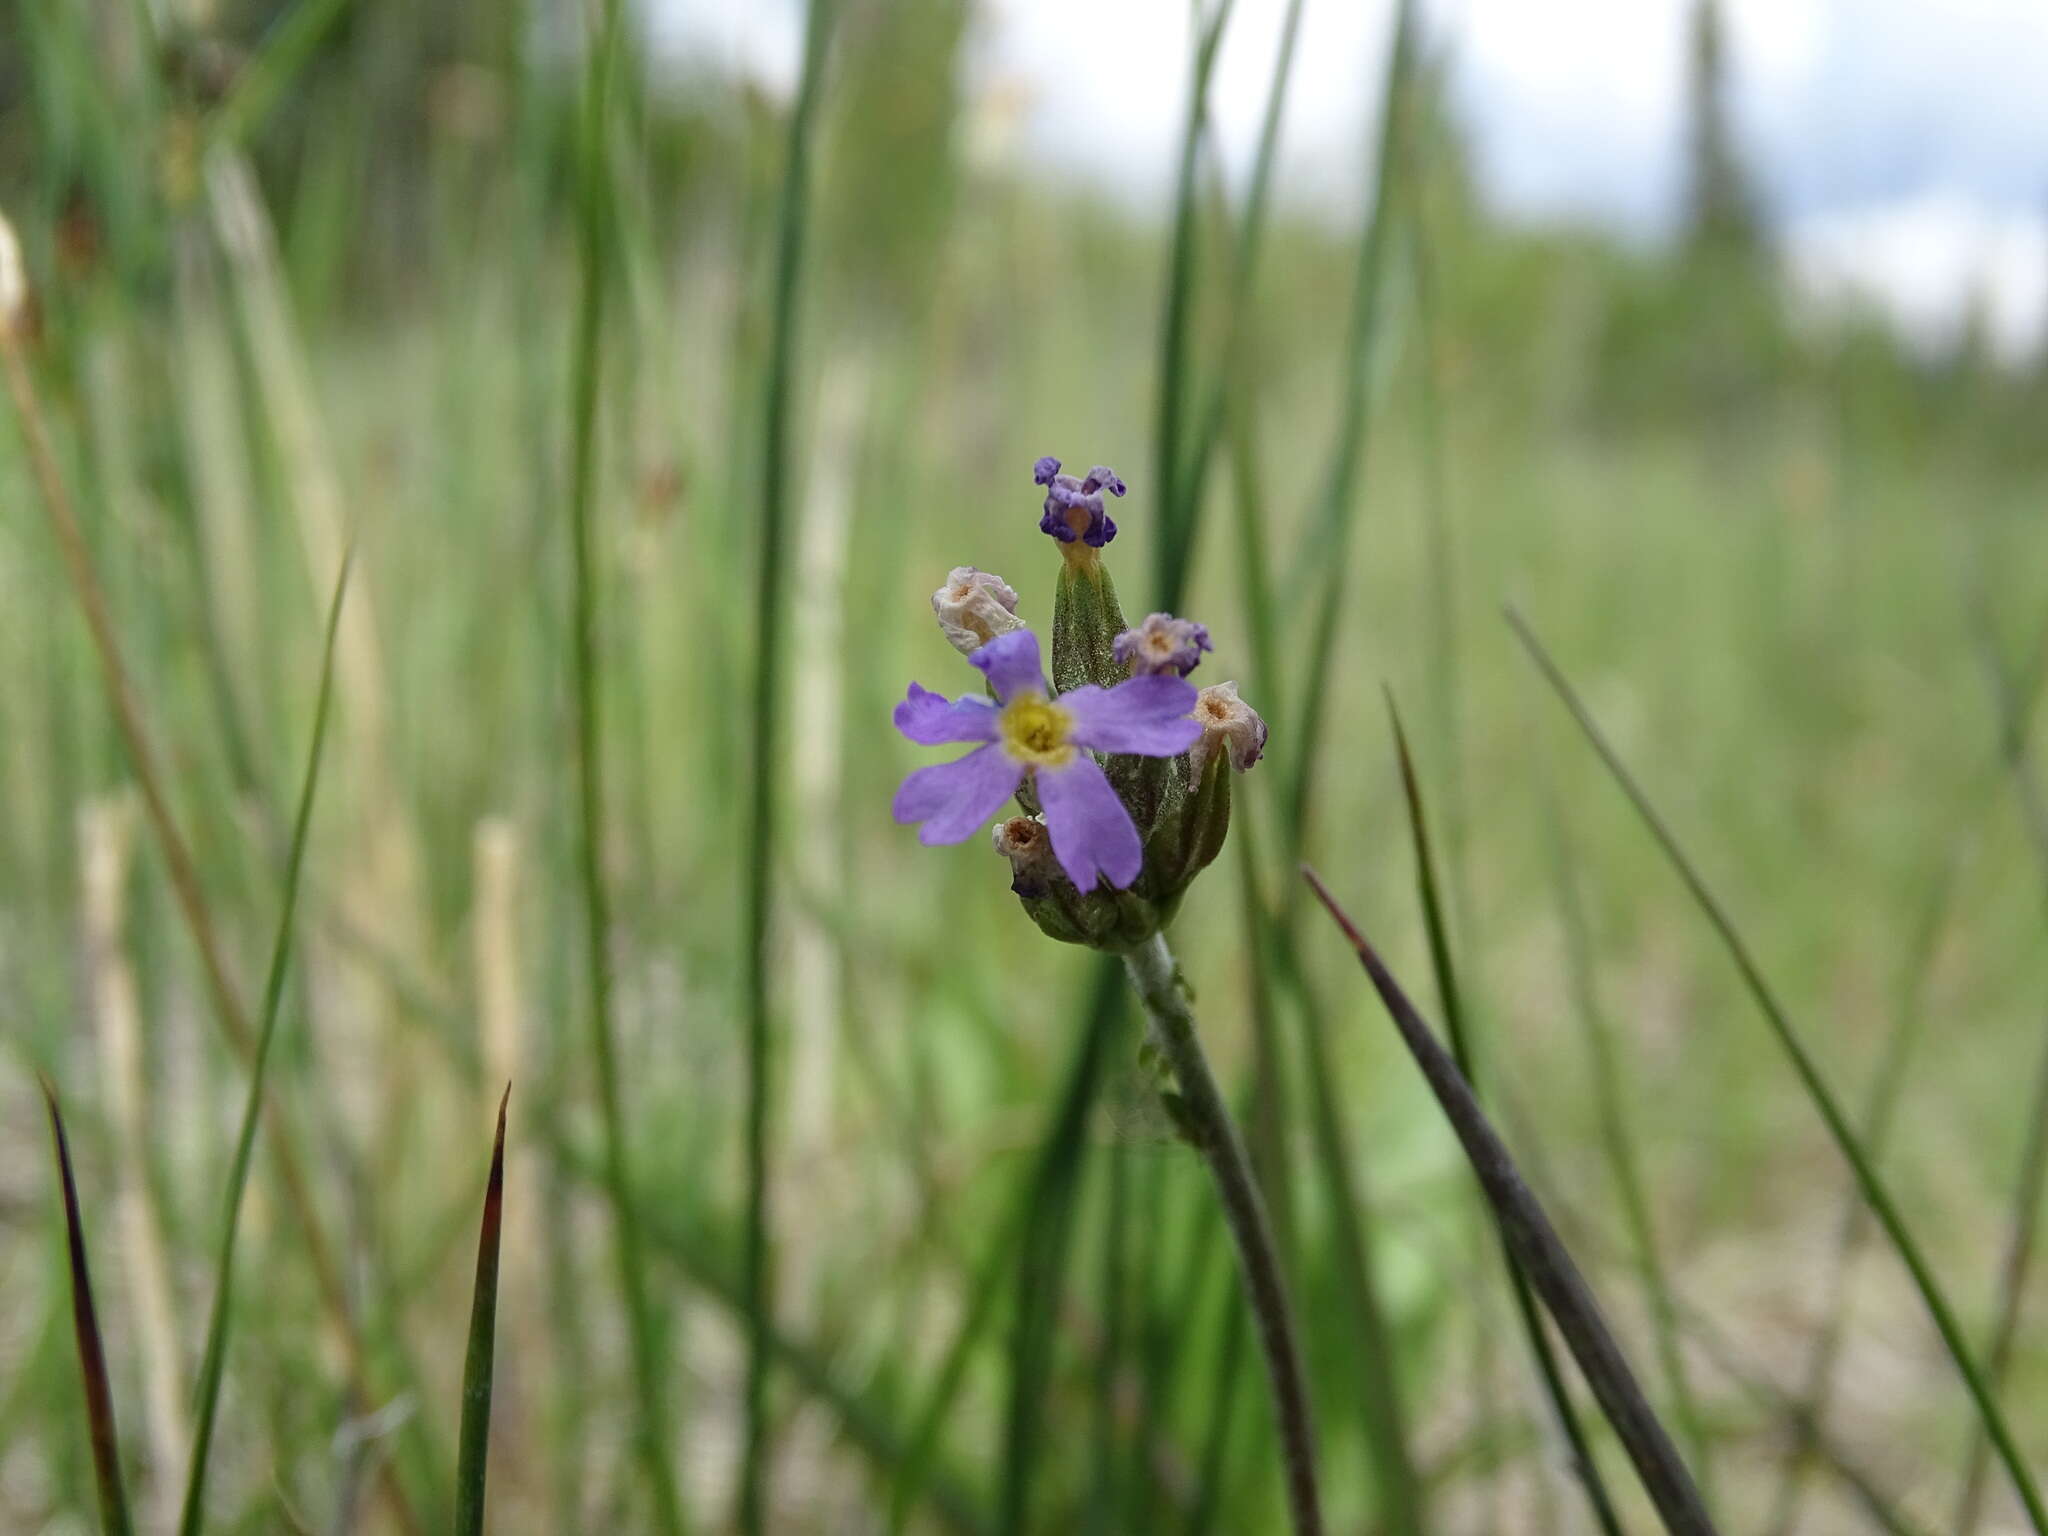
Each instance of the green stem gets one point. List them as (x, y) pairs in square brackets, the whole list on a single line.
[(597, 257), (759, 865), (1155, 976)]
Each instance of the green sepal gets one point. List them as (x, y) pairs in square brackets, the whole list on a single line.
[(1085, 622)]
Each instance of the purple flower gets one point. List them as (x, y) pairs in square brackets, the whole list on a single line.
[(1073, 508), (1028, 732), (1162, 644)]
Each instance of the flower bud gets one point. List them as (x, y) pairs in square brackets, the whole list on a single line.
[(1162, 644), (1085, 616), (974, 607), (1229, 725)]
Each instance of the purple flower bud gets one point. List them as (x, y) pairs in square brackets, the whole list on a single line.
[(1162, 644), (1228, 725), (1074, 508)]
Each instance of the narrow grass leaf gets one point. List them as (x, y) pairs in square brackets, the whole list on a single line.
[(1542, 1253), (1173, 553), (192, 1514), (92, 1354), (758, 859), (1874, 1189), (1584, 1466), (475, 1439), (597, 238)]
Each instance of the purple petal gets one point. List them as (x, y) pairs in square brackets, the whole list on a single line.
[(1102, 477), (1092, 833), (957, 799), (929, 719), (1010, 663), (1146, 715), (1043, 471)]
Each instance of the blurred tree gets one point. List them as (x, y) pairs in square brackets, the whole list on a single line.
[(1721, 208)]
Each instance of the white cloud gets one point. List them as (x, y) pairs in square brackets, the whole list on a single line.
[(1903, 144)]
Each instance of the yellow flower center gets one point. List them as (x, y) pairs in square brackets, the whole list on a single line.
[(1035, 731)]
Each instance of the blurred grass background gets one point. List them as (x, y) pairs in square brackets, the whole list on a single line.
[(307, 273)]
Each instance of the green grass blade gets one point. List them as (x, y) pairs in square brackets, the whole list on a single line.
[(192, 1514), (758, 863), (287, 46), (1171, 548), (1331, 528), (2014, 702), (1908, 1028), (1542, 1253), (92, 1355), (1042, 1257), (1069, 1118), (1177, 553), (1617, 1142), (597, 235), (1874, 1189), (475, 1440), (1584, 1466)]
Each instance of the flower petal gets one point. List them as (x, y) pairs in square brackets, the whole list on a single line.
[(1010, 663), (1146, 715), (956, 800), (1092, 833), (930, 719)]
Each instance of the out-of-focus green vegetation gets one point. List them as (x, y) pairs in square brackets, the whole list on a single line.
[(308, 274)]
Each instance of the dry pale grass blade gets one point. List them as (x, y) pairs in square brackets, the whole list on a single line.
[(1541, 1252), (105, 832)]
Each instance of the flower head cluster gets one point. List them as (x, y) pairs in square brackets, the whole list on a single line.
[(1074, 508), (1027, 733), (1118, 766), (1162, 644)]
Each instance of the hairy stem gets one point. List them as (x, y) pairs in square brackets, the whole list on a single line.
[(1156, 976)]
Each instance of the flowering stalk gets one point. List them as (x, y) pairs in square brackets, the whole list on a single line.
[(1203, 1118)]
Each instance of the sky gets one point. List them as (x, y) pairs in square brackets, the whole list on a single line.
[(1901, 145)]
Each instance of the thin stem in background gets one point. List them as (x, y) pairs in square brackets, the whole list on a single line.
[(758, 862), (1853, 1228), (1874, 1189), (596, 254), (92, 1354), (1155, 976), (193, 1513), (2014, 702), (1584, 1466), (1331, 529), (1617, 1135), (1542, 1253), (1173, 547)]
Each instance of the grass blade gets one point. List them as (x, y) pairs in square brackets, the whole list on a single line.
[(1172, 547), (125, 706), (1584, 1465), (1874, 1190), (1332, 529), (1042, 1257), (192, 1514), (1541, 1252), (1889, 1081), (475, 1440), (759, 862), (92, 1355), (597, 233)]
